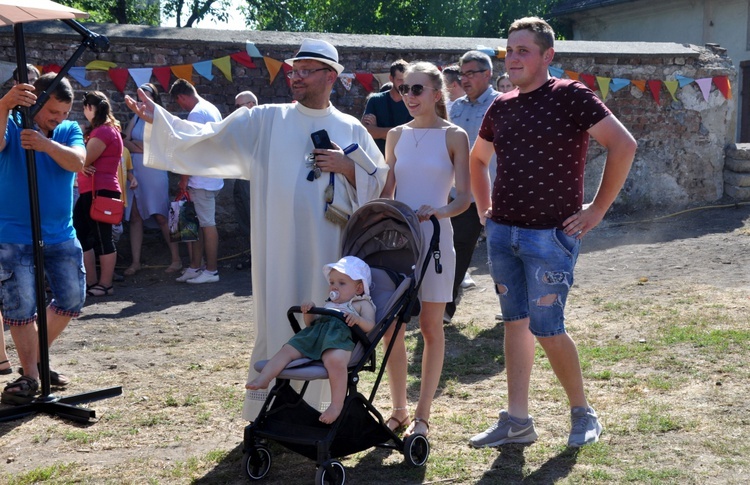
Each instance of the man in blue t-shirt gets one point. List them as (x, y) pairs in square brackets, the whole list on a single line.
[(60, 154), (386, 110)]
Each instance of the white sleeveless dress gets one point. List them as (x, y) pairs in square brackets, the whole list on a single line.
[(424, 175)]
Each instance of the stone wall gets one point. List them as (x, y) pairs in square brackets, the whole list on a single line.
[(681, 143)]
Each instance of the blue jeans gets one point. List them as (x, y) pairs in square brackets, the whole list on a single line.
[(533, 271), (63, 266)]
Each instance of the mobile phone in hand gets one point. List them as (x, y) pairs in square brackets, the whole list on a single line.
[(320, 140)]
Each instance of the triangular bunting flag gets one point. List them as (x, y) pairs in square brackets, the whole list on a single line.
[(79, 74), (723, 85), (346, 79), (654, 85), (243, 59), (119, 77), (672, 88), (163, 75), (287, 69), (40, 68), (618, 83), (487, 50), (273, 67), (382, 78), (572, 75), (684, 81), (51, 68), (224, 66), (98, 65), (183, 71), (204, 69), (141, 75), (365, 79), (589, 80), (603, 83), (705, 85), (639, 83), (501, 52), (556, 72), (251, 50)]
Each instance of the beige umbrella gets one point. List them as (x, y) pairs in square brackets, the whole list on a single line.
[(16, 13), (20, 11)]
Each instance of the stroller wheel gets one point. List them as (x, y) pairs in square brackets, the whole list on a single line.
[(257, 462), (331, 472), (416, 450)]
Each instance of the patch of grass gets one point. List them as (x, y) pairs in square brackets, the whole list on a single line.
[(41, 474), (657, 420), (649, 475)]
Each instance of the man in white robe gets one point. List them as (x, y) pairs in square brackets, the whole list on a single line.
[(269, 146)]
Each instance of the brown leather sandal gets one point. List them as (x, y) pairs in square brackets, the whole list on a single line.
[(414, 424), (401, 424), (25, 389)]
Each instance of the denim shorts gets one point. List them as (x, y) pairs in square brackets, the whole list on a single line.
[(533, 272), (205, 205), (63, 266)]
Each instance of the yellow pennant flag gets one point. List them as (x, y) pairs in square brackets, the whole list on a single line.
[(97, 65), (672, 88), (273, 67), (603, 83), (224, 66), (184, 71)]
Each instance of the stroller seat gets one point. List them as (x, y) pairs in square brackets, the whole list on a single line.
[(386, 290)]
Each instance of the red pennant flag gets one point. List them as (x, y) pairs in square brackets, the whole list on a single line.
[(163, 75), (365, 79), (722, 84), (243, 59), (119, 77), (589, 80), (52, 68), (654, 85), (287, 68)]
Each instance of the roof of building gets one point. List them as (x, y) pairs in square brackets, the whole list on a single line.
[(573, 6)]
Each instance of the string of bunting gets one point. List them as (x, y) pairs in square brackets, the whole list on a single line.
[(120, 76)]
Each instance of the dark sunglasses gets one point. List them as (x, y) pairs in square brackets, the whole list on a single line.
[(416, 89)]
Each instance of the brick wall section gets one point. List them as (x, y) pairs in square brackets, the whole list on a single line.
[(680, 159)]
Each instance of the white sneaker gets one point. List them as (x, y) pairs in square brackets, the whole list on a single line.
[(468, 282), (205, 277), (189, 274)]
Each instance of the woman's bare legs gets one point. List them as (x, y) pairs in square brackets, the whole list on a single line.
[(431, 326), (335, 362), (396, 368), (136, 239), (174, 249)]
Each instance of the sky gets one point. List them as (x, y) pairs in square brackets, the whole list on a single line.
[(235, 22)]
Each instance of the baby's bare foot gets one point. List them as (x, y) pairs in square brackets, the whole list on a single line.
[(256, 384), (330, 414)]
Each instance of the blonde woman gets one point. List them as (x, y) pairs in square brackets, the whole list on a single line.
[(428, 148)]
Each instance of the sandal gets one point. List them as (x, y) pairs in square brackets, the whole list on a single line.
[(100, 290), (55, 378), (25, 390), (131, 270), (416, 423), (173, 268), (401, 424), (8, 370)]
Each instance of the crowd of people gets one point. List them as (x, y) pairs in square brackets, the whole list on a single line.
[(499, 161)]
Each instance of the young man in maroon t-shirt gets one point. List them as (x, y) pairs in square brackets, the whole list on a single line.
[(535, 219)]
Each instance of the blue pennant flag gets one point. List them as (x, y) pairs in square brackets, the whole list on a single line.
[(618, 83), (556, 72), (79, 74), (204, 69), (684, 81)]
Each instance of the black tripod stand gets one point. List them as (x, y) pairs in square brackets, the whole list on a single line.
[(65, 407)]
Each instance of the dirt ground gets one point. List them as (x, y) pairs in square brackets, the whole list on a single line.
[(180, 351)]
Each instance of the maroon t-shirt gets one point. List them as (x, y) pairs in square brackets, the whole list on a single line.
[(541, 141)]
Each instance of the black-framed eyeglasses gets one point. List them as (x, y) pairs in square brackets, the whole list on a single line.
[(304, 73), (470, 74), (416, 89)]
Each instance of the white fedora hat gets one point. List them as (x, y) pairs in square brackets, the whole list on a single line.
[(318, 50)]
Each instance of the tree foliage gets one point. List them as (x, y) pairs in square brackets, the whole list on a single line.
[(117, 11)]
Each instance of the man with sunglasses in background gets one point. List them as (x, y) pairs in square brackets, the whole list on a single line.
[(467, 112), (271, 146), (386, 110), (59, 154)]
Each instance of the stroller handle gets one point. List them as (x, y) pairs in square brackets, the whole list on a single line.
[(357, 333)]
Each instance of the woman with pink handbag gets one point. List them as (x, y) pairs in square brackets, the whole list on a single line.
[(98, 180)]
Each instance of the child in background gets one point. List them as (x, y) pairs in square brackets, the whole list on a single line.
[(328, 338)]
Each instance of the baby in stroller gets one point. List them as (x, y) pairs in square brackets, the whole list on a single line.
[(328, 338)]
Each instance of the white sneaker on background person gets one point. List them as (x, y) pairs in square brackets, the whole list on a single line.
[(205, 276), (189, 274), (468, 282)]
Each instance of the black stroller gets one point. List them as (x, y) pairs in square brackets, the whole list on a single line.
[(386, 235)]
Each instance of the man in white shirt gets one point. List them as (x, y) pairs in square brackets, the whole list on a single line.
[(203, 191)]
